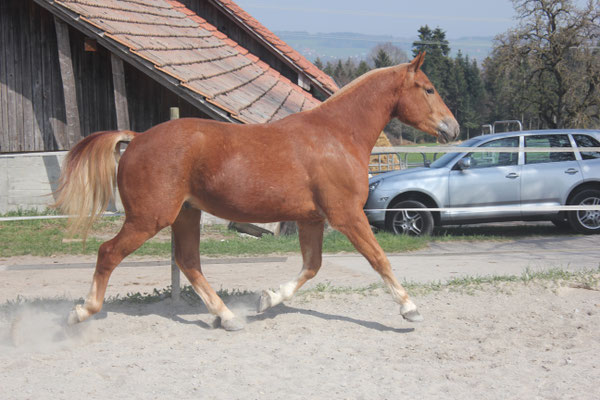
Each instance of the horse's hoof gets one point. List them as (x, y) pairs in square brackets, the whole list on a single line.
[(264, 302), (413, 316), (73, 317), (234, 324)]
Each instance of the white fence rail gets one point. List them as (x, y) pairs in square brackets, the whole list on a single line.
[(456, 149)]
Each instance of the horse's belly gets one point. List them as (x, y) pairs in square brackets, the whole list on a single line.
[(254, 186), (269, 204)]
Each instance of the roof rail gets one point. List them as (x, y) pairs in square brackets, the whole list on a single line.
[(492, 127)]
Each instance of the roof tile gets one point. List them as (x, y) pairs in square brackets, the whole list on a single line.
[(263, 65), (220, 35), (178, 43), (241, 49), (230, 43), (252, 57)]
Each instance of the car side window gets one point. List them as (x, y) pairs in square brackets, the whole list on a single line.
[(548, 156), (487, 160), (587, 141)]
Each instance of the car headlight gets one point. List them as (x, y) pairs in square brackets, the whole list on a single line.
[(373, 186)]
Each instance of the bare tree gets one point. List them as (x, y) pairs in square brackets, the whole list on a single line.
[(554, 61)]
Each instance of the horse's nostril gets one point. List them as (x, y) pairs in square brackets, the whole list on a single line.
[(450, 127)]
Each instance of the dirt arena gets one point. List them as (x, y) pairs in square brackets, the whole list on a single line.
[(507, 340)]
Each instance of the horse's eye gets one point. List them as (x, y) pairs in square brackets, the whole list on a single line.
[(430, 91)]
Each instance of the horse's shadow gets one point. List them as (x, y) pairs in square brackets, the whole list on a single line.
[(175, 313), (284, 309)]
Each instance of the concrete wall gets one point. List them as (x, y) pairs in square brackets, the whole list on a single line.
[(27, 180)]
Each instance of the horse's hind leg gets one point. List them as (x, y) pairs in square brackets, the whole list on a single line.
[(311, 244), (357, 229), (133, 234), (186, 233)]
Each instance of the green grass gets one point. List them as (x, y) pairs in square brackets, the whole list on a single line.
[(29, 213), (417, 158), (551, 279), (45, 238)]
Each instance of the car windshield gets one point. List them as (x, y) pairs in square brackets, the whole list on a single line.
[(446, 158)]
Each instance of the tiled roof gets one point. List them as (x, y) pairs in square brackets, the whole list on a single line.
[(292, 55), (184, 46)]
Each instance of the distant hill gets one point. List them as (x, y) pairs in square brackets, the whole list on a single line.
[(331, 46)]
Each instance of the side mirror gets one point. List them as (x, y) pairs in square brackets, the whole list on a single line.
[(464, 163)]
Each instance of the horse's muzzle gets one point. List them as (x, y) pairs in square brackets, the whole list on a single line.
[(447, 130)]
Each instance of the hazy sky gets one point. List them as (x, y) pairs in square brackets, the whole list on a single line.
[(401, 18)]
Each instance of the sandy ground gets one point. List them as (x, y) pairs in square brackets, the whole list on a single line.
[(501, 341)]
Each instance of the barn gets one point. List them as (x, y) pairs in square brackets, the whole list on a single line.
[(72, 67)]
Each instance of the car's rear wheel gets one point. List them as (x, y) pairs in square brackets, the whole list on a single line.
[(413, 223), (585, 221)]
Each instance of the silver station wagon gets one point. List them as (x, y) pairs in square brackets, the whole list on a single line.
[(498, 186)]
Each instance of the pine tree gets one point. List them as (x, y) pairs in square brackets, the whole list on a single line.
[(458, 80), (328, 68), (473, 109), (362, 68), (382, 59), (319, 64), (425, 39), (437, 64)]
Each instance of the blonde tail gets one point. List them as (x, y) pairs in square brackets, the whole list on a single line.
[(87, 178)]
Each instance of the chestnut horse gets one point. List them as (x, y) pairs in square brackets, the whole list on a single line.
[(308, 167)]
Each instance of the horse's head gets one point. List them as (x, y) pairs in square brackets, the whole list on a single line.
[(421, 106)]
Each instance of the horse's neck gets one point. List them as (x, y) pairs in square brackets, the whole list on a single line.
[(361, 110)]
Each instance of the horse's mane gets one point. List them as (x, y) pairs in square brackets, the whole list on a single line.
[(356, 82)]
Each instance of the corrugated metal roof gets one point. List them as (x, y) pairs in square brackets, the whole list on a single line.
[(184, 46)]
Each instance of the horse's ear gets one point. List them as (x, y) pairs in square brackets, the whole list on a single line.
[(416, 63)]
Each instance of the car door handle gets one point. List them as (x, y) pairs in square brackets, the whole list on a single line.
[(512, 175), (571, 171)]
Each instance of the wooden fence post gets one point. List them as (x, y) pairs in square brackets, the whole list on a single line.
[(175, 276)]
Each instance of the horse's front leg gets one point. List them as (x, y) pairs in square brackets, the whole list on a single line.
[(354, 225), (311, 245), (186, 234)]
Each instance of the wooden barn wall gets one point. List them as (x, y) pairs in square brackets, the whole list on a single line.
[(32, 104), (149, 102), (32, 116), (224, 24), (32, 113), (94, 86)]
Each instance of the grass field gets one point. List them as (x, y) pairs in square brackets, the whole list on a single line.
[(48, 237)]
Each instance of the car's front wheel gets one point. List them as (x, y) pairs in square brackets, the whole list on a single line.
[(413, 223), (585, 221), (560, 223)]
